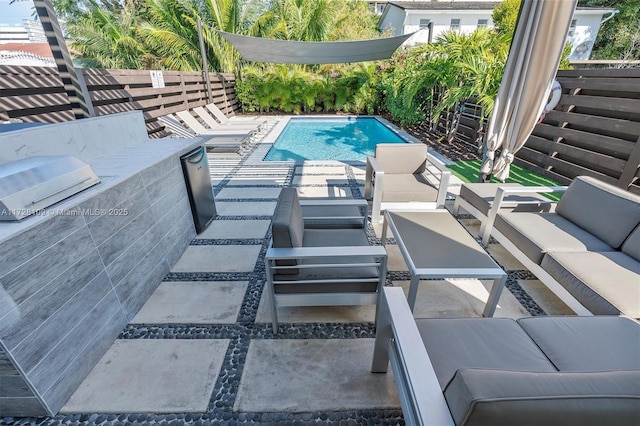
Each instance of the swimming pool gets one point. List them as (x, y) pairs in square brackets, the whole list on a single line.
[(339, 138)]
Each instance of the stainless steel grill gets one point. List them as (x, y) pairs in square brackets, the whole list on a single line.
[(32, 184)]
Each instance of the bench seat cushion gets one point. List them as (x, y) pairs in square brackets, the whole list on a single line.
[(493, 397), (606, 283), (490, 343), (574, 344), (534, 234), (481, 196), (333, 238), (407, 188)]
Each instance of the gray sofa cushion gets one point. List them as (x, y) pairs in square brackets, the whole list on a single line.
[(337, 217), (608, 212), (493, 397), (632, 245), (481, 196), (586, 343), (537, 233), (492, 343), (606, 283), (287, 225), (407, 188), (401, 157), (334, 238)]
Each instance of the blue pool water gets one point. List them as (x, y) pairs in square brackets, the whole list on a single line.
[(341, 138)]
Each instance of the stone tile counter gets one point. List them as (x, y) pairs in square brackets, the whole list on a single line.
[(72, 277)]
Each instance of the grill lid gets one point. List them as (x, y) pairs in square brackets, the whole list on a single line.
[(32, 184)]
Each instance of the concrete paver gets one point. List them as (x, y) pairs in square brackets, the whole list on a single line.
[(227, 258)]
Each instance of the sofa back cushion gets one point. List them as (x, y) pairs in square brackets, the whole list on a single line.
[(287, 226), (500, 397), (631, 246), (396, 158), (606, 211)]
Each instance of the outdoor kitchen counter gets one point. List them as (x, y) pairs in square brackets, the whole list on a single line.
[(72, 278)]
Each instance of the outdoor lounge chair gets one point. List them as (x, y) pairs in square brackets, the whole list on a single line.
[(210, 141), (223, 119), (540, 370), (192, 123), (210, 121), (396, 178), (317, 265)]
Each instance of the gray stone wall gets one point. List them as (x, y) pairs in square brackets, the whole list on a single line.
[(77, 278)]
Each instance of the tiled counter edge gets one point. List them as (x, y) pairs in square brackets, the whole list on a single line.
[(70, 280)]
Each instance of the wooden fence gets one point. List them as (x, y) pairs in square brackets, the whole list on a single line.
[(594, 130), (36, 94)]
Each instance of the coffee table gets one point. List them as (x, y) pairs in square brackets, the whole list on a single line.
[(435, 245)]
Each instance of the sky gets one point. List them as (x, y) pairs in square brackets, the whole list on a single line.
[(16, 12)]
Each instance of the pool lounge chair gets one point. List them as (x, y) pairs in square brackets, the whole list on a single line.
[(223, 119), (497, 371), (314, 264), (210, 121), (397, 178), (210, 141), (192, 123)]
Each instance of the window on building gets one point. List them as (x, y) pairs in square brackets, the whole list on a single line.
[(482, 23), (455, 25), (424, 23), (572, 28)]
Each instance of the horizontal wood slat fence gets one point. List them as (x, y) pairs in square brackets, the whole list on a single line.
[(594, 130), (36, 94)]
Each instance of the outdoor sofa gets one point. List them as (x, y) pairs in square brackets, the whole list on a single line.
[(497, 371), (586, 250)]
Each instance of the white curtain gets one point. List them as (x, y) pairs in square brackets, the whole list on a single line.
[(533, 60)]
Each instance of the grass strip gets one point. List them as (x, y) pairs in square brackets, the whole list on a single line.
[(468, 172)]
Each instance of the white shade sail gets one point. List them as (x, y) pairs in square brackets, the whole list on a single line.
[(258, 49), (532, 64)]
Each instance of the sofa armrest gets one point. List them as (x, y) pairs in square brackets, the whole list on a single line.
[(497, 203), (373, 172), (398, 342)]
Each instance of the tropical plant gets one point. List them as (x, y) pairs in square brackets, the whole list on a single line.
[(619, 37)]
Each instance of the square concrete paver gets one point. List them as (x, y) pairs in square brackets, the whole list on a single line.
[(245, 193), (454, 298), (235, 229), (193, 302), (249, 208), (324, 191), (319, 180), (545, 298), (150, 375), (225, 258), (324, 169), (313, 375)]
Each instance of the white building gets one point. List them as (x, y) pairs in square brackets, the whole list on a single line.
[(404, 17)]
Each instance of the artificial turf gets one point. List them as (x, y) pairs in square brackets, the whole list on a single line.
[(468, 172)]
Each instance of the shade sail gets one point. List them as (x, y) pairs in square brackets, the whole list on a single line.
[(533, 60), (258, 49)]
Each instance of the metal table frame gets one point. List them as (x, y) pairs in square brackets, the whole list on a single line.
[(496, 274)]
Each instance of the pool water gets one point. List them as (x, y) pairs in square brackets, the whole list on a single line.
[(341, 138)]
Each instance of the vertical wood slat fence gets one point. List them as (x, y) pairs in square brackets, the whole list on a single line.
[(36, 94)]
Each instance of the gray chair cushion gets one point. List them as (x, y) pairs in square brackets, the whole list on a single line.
[(287, 225), (492, 343), (606, 283), (608, 212), (537, 233), (407, 188), (401, 157), (494, 397), (481, 196), (333, 238), (586, 343), (337, 217), (632, 245)]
